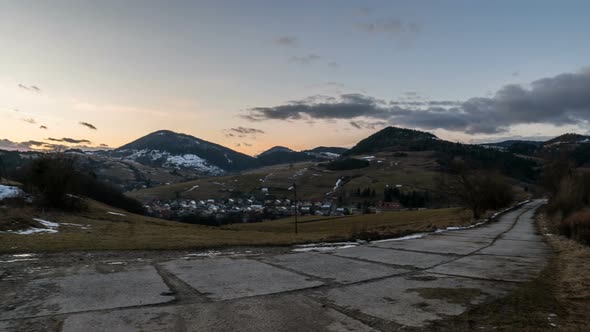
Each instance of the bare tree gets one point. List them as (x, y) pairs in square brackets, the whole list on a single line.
[(477, 190)]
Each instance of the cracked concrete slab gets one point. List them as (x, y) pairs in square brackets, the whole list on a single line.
[(416, 299), (226, 278), (440, 244), (501, 268), (87, 290), (504, 247), (339, 269), (286, 313), (394, 257)]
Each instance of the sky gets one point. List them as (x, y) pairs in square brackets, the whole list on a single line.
[(254, 74)]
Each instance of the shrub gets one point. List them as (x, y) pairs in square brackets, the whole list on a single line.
[(55, 182), (347, 164), (577, 226)]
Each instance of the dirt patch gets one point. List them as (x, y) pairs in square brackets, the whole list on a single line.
[(13, 220), (451, 295)]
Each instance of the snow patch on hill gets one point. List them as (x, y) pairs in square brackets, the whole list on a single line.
[(192, 161), (9, 192), (176, 161)]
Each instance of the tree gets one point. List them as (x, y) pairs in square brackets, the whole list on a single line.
[(475, 189)]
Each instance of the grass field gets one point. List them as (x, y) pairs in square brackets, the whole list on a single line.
[(96, 229)]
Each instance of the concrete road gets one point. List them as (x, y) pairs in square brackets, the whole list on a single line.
[(383, 285)]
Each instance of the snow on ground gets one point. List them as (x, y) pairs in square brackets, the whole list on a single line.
[(193, 188), (192, 161), (320, 247), (9, 192), (338, 184), (51, 227), (117, 214), (185, 160)]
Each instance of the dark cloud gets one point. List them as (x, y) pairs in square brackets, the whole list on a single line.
[(560, 100), (305, 60), (89, 125), (286, 41), (42, 127), (360, 124), (391, 26), (30, 120), (69, 140), (32, 88), (333, 64), (247, 131), (246, 144), (6, 144), (103, 145)]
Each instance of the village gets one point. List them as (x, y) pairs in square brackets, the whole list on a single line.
[(232, 210)]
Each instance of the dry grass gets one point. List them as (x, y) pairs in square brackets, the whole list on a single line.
[(416, 171), (577, 226), (380, 225), (134, 232)]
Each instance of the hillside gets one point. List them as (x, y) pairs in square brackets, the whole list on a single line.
[(395, 139), (275, 149), (569, 138)]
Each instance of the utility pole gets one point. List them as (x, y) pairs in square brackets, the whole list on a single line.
[(296, 210)]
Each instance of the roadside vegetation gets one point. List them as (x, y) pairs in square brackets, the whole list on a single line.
[(479, 190)]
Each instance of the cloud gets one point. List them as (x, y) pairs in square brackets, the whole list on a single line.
[(30, 120), (305, 60), (391, 26), (243, 132), (360, 124), (6, 144), (32, 88), (42, 127), (333, 64), (515, 74), (560, 100), (69, 140), (246, 144), (89, 125), (247, 131), (286, 41)]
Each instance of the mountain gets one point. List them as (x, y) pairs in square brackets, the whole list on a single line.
[(569, 138), (523, 147), (275, 149), (325, 152), (395, 139), (329, 149), (172, 150), (509, 143)]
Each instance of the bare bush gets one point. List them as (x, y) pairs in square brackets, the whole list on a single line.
[(577, 226), (477, 190)]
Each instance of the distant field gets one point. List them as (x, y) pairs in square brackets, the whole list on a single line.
[(417, 171), (380, 225), (133, 232)]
